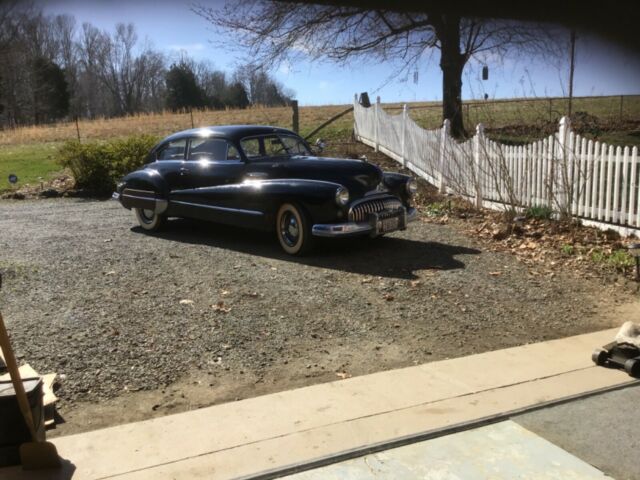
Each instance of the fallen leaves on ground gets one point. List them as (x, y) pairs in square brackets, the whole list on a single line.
[(221, 308)]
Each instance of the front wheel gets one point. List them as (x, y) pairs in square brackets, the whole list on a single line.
[(632, 367), (293, 229), (149, 220)]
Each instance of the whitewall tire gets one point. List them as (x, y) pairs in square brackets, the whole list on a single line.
[(149, 220), (293, 229)]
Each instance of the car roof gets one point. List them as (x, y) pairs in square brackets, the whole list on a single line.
[(232, 132)]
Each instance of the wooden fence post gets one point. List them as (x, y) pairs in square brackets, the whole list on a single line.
[(77, 127), (621, 102), (563, 174), (405, 115), (444, 139), (295, 118), (376, 130), (478, 150)]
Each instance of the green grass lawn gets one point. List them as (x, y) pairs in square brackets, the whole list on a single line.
[(32, 163)]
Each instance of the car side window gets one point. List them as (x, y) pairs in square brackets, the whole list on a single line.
[(173, 150), (209, 149), (251, 147), (273, 146), (232, 153), (294, 145)]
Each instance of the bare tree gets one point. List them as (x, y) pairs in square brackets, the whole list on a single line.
[(275, 31), (128, 77), (261, 88)]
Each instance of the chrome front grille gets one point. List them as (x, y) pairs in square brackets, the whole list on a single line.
[(360, 211)]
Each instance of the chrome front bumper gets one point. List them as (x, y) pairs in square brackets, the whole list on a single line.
[(353, 228)]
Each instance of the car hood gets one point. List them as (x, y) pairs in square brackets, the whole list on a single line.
[(356, 175)]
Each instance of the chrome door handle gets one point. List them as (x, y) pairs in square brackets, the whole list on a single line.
[(257, 175), (184, 171)]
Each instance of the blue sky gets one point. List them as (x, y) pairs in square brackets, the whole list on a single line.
[(601, 68)]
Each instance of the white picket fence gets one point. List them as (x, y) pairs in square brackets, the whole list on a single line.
[(566, 172)]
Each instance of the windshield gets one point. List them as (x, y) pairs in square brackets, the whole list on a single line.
[(267, 146)]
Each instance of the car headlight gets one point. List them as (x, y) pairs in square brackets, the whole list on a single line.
[(411, 186), (342, 196)]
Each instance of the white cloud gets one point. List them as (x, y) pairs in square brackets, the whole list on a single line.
[(188, 47)]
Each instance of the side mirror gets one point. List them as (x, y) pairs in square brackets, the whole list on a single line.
[(320, 145)]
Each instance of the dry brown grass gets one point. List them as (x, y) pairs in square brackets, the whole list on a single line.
[(162, 124)]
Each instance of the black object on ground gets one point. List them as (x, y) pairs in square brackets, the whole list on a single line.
[(13, 428), (620, 356)]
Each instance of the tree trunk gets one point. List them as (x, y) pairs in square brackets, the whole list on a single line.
[(452, 63)]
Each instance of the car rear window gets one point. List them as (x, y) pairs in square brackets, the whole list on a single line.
[(173, 150)]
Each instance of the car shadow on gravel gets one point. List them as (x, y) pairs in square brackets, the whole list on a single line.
[(388, 256)]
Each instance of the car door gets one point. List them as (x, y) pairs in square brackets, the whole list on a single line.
[(170, 162), (211, 169), (213, 162), (263, 162)]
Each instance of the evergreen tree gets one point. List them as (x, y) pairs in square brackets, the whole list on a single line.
[(182, 88)]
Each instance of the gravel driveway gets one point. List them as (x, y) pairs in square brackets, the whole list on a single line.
[(87, 294)]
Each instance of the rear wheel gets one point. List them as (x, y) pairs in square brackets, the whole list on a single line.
[(293, 229), (149, 220)]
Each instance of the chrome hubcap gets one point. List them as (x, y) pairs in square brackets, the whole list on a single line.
[(147, 215), (289, 229)]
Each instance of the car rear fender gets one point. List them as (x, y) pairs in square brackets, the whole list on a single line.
[(144, 189)]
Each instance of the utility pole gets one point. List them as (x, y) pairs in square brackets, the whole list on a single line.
[(571, 68)]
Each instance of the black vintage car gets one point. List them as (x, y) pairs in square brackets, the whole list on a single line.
[(266, 178)]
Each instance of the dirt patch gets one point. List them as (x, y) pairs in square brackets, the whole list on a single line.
[(135, 324)]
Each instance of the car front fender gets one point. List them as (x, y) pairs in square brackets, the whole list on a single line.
[(316, 196)]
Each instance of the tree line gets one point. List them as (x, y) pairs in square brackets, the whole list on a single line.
[(53, 68)]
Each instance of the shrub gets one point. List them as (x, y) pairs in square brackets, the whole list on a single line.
[(539, 212), (97, 166), (619, 260), (567, 249)]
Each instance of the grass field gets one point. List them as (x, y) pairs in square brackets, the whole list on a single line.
[(27, 151)]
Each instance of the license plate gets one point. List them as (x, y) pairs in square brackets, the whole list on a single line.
[(388, 224)]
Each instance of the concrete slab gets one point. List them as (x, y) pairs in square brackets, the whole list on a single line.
[(603, 430), (502, 451), (298, 426)]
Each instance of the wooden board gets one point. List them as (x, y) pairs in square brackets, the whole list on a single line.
[(49, 398), (26, 371)]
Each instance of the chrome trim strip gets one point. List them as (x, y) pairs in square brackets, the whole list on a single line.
[(138, 190), (151, 199), (222, 209)]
